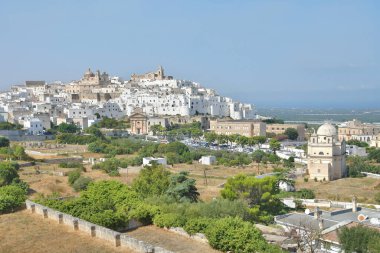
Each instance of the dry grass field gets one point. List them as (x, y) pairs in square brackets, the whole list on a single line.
[(216, 176), (47, 183), (23, 232), (343, 189), (170, 241)]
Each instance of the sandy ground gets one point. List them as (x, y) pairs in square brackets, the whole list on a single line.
[(25, 232), (170, 240)]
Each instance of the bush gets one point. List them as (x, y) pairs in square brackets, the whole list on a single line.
[(9, 126), (169, 220), (374, 155), (152, 181), (358, 143), (69, 138), (377, 197), (8, 172), (291, 133), (73, 176), (4, 142), (306, 194), (81, 183), (106, 203), (71, 165), (67, 128), (236, 235), (11, 197), (359, 239), (111, 166), (144, 213), (197, 225)]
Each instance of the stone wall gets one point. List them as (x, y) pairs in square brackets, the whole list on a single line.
[(93, 230), (20, 135), (324, 203), (64, 160)]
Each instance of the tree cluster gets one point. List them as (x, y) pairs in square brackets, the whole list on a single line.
[(359, 239), (259, 193), (12, 190)]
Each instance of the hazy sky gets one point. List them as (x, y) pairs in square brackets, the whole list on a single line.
[(310, 53)]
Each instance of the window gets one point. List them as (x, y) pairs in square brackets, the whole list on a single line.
[(321, 153)]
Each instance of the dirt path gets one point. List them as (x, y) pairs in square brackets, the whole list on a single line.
[(23, 232), (170, 240)]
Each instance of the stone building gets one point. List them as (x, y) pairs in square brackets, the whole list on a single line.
[(326, 154), (139, 122), (248, 128), (281, 128), (155, 75), (356, 130), (375, 142)]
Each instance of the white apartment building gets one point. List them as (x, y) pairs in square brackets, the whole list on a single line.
[(33, 126)]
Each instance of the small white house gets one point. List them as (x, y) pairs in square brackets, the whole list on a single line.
[(207, 160), (286, 187), (147, 161), (33, 126), (355, 150)]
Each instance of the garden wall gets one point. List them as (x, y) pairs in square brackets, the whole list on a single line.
[(93, 230)]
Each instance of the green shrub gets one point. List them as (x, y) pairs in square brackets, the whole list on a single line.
[(71, 165), (106, 203), (4, 142), (236, 235), (81, 183), (169, 220), (11, 197), (111, 166), (361, 239), (8, 172), (197, 225), (144, 213), (73, 176), (305, 194), (377, 197), (151, 181), (21, 184), (69, 138)]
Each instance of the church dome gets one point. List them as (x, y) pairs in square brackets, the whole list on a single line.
[(88, 73), (327, 130)]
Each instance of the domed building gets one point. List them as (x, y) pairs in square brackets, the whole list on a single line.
[(326, 155)]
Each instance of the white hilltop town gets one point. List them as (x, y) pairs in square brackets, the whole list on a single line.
[(215, 130), (96, 95)]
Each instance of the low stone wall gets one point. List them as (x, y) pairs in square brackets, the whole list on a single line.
[(197, 236), (372, 175), (64, 160), (323, 203), (93, 230)]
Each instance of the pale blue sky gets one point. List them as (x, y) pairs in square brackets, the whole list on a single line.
[(312, 53)]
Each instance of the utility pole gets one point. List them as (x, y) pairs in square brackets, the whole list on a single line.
[(205, 177)]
